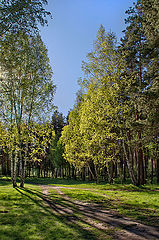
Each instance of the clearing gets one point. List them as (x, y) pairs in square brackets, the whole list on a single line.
[(78, 211)]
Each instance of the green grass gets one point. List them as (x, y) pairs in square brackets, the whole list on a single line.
[(81, 184), (86, 184), (58, 181), (141, 205), (25, 216)]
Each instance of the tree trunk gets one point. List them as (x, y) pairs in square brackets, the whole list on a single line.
[(110, 171), (146, 165), (141, 177), (127, 155), (92, 170), (129, 162), (157, 163), (151, 170), (63, 175), (52, 172), (8, 166), (56, 173), (24, 163), (69, 171), (3, 162), (157, 170), (29, 170), (12, 167), (14, 179), (121, 169), (125, 171), (83, 174), (73, 173)]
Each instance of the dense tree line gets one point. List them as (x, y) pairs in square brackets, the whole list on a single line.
[(113, 128), (44, 155)]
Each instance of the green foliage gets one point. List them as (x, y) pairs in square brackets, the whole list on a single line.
[(27, 93), (40, 138), (27, 89), (72, 139), (115, 118), (92, 130), (22, 15), (150, 23), (56, 148), (56, 153), (150, 9), (113, 128), (58, 121)]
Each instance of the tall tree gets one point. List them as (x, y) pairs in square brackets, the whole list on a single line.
[(150, 10), (141, 53), (90, 138), (133, 49), (103, 103), (27, 88)]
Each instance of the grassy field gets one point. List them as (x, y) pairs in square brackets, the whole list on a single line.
[(25, 214), (140, 205)]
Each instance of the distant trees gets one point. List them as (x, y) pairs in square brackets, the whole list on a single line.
[(56, 150)]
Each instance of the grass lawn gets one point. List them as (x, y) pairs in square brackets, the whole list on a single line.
[(140, 205), (25, 215), (81, 184)]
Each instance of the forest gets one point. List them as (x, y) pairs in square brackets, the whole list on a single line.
[(93, 174), (112, 132)]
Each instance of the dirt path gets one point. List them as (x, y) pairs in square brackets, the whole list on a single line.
[(98, 217)]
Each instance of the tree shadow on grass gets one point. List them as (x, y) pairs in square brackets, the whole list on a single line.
[(59, 212), (74, 213), (141, 212)]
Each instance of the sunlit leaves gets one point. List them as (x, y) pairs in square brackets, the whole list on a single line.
[(92, 132), (23, 15)]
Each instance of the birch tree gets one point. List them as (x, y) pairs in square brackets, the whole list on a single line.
[(27, 88)]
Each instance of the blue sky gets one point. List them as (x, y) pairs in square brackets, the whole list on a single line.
[(70, 35)]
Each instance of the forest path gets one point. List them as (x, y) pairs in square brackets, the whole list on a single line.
[(97, 217)]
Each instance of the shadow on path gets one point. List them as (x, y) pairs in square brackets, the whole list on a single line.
[(72, 213), (55, 207)]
